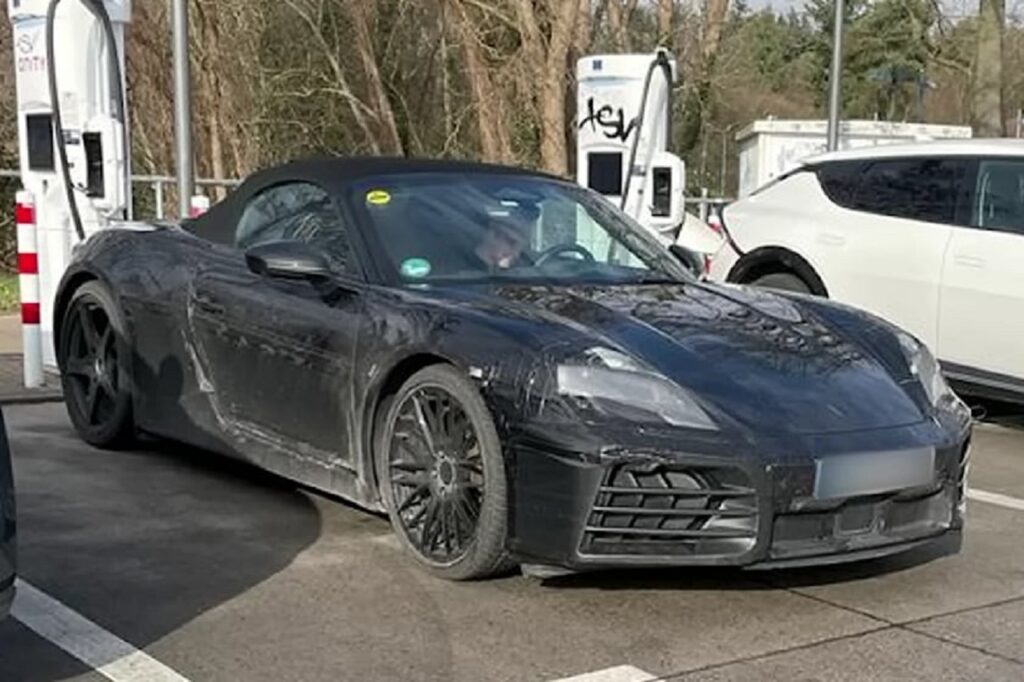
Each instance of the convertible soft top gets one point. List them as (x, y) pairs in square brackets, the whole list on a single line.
[(332, 173), (342, 169)]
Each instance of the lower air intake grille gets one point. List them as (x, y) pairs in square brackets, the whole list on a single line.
[(670, 510)]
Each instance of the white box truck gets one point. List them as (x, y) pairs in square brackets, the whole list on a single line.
[(770, 147)]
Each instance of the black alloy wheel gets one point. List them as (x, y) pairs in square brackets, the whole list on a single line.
[(442, 476), (94, 368)]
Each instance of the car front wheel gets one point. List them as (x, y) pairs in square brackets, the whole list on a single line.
[(442, 476)]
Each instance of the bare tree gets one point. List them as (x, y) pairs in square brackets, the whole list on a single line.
[(665, 8), (362, 14), (987, 98), (487, 101), (546, 56), (619, 13), (313, 14), (223, 42), (714, 23)]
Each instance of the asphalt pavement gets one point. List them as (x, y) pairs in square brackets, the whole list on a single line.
[(213, 570)]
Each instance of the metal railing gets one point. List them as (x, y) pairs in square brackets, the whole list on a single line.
[(706, 203), (157, 185), (157, 182)]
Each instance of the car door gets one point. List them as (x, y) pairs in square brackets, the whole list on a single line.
[(277, 353), (982, 317), (882, 248)]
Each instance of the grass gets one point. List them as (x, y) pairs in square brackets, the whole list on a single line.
[(9, 297)]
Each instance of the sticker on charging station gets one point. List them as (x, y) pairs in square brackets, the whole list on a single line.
[(378, 197), (416, 268)]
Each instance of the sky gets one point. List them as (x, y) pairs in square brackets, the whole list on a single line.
[(957, 8)]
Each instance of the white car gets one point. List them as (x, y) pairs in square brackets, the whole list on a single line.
[(929, 236)]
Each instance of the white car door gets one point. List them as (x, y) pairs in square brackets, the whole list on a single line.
[(982, 311), (882, 246)]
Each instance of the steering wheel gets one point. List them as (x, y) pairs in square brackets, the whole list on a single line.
[(558, 249)]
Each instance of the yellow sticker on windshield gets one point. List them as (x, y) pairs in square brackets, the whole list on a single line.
[(378, 197)]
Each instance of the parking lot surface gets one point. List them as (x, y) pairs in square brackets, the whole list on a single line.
[(217, 571)]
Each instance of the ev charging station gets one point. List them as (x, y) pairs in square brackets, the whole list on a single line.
[(74, 158), (623, 129)]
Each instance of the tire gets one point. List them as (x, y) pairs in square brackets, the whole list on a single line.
[(94, 354), (783, 281), (442, 476)]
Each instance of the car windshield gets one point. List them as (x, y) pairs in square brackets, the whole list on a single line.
[(481, 227)]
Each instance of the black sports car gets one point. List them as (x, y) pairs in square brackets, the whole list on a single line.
[(514, 371)]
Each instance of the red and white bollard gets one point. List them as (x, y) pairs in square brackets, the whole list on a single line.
[(198, 205), (28, 283)]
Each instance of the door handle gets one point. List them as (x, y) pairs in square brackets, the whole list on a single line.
[(832, 239), (969, 261)]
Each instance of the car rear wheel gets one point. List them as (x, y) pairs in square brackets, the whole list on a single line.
[(783, 281), (442, 476), (93, 354)]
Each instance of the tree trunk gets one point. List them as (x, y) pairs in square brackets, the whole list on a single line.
[(211, 98), (547, 65), (714, 22), (488, 102), (665, 23), (987, 100), (617, 25), (217, 156), (585, 29), (358, 13), (446, 88), (305, 10)]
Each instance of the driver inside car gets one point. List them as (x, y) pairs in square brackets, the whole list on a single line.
[(503, 242)]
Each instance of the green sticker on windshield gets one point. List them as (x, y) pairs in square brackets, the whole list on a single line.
[(415, 267)]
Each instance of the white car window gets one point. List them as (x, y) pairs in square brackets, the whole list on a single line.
[(298, 211), (918, 189), (922, 189), (999, 201)]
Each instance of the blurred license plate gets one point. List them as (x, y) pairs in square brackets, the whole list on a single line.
[(873, 472)]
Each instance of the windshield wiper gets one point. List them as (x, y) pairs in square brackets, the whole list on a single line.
[(655, 279)]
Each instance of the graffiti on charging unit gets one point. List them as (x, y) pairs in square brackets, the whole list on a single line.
[(608, 120)]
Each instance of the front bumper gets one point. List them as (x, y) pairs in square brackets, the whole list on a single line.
[(662, 507)]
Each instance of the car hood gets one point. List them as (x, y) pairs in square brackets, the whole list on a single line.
[(769, 362)]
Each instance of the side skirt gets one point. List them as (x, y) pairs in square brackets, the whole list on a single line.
[(982, 384)]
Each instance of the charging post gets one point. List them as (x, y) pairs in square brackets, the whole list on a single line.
[(84, 140), (623, 131)]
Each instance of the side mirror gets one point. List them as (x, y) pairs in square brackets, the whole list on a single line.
[(691, 260), (287, 259)]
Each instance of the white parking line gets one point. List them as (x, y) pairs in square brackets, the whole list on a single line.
[(105, 653), (996, 498), (622, 673)]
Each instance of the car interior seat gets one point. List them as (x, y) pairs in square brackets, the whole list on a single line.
[(1003, 204)]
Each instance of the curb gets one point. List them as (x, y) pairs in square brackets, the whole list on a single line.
[(43, 396)]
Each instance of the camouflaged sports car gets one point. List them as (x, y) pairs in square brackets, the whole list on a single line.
[(513, 371)]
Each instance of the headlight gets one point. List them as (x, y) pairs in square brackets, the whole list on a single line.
[(613, 383), (925, 369)]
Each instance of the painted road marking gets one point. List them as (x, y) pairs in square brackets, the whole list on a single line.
[(622, 673), (996, 498), (102, 651)]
